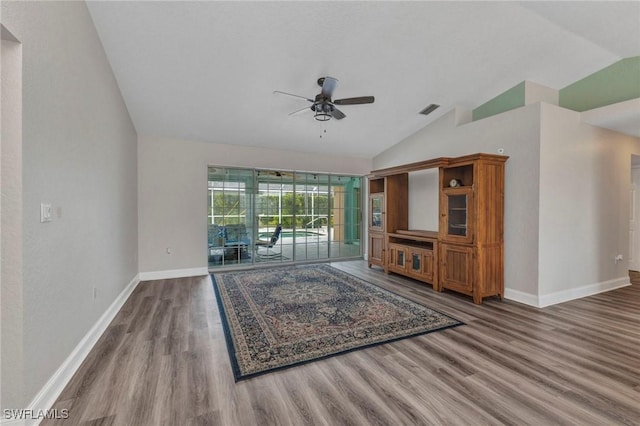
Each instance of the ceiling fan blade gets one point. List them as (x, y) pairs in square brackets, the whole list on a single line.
[(329, 85), (291, 94), (355, 101), (300, 110), (337, 114)]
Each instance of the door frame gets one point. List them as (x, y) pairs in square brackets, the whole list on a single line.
[(634, 212)]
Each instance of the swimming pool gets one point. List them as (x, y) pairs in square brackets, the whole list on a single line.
[(291, 234), (299, 234)]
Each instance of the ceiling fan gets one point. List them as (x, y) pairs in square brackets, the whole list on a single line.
[(323, 107)]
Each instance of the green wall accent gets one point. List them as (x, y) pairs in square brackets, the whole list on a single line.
[(616, 83), (511, 99)]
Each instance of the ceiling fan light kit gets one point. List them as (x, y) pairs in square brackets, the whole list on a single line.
[(323, 107), (322, 111)]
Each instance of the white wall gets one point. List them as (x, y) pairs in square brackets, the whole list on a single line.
[(584, 206), (172, 192), (11, 299), (534, 93), (516, 131), (566, 196), (79, 153), (423, 199)]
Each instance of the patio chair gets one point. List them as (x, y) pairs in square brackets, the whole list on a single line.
[(264, 247)]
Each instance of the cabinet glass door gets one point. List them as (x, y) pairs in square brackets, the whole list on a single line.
[(457, 215), (416, 262), (376, 203)]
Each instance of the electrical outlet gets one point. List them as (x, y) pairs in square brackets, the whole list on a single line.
[(618, 258)]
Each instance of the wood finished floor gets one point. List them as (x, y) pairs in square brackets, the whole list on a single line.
[(163, 361)]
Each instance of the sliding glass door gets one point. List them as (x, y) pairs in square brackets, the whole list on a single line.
[(230, 225), (268, 216), (345, 219), (312, 226), (274, 215)]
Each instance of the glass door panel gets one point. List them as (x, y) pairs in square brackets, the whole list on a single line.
[(230, 213), (457, 215), (416, 260), (344, 217), (274, 216), (376, 203), (312, 221)]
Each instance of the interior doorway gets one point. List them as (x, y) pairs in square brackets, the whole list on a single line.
[(634, 215)]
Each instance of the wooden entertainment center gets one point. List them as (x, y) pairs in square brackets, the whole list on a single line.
[(466, 254)]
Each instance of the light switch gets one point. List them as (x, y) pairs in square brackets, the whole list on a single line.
[(46, 212)]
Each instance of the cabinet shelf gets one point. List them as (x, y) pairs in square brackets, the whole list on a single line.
[(463, 173), (456, 188), (425, 242)]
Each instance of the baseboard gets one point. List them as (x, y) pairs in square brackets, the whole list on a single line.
[(47, 396), (565, 295), (4, 422), (173, 273), (577, 293), (521, 297)]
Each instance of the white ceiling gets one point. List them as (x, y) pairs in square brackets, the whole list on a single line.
[(207, 70)]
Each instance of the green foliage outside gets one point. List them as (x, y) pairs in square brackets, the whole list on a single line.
[(267, 209), (231, 205), (231, 208)]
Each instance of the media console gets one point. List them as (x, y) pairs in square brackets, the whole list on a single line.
[(466, 254)]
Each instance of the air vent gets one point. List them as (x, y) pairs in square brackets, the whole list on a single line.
[(429, 109)]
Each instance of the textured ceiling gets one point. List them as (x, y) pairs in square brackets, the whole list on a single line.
[(207, 70)]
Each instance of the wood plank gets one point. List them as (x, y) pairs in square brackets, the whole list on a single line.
[(164, 361), (420, 235)]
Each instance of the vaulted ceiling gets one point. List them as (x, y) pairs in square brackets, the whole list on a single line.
[(207, 70)]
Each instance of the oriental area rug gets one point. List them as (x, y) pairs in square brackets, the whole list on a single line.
[(280, 317)]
